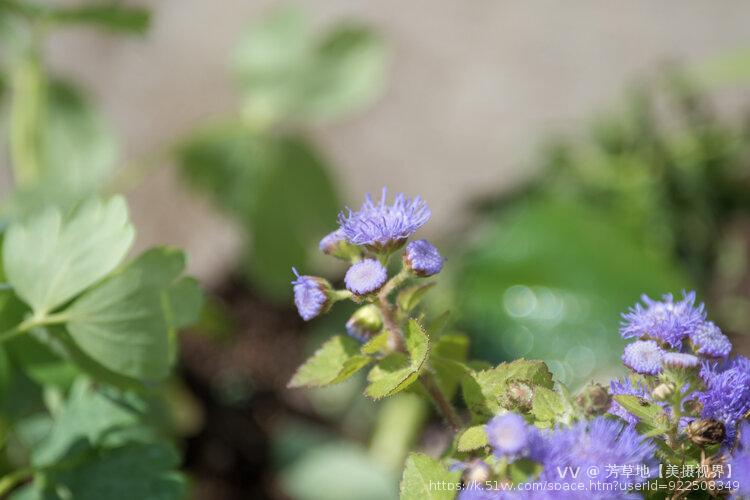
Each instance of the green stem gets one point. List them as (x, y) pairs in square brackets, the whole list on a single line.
[(30, 323), (26, 115), (441, 402), (10, 481)]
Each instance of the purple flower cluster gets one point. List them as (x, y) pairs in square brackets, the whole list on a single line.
[(740, 462), (643, 356), (366, 238), (628, 387), (665, 321), (727, 394)]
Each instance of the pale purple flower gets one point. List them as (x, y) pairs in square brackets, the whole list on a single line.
[(643, 356), (310, 295), (666, 320), (708, 340), (680, 360), (422, 258), (365, 276)]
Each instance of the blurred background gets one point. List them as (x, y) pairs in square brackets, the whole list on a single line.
[(572, 158)]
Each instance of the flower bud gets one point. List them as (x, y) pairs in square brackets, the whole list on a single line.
[(706, 432), (336, 245), (477, 473), (519, 396), (365, 277), (663, 391), (312, 295), (365, 323), (422, 259), (594, 399)]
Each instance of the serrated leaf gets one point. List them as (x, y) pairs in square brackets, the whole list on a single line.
[(337, 360), (482, 389), (410, 297), (472, 438), (547, 404), (50, 259), (448, 358), (124, 323), (396, 372), (421, 474)]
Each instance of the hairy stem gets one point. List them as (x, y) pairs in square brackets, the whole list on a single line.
[(441, 402)]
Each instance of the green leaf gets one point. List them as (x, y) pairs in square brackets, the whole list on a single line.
[(448, 358), (50, 259), (472, 438), (421, 474), (410, 297), (547, 405), (288, 74), (125, 323), (337, 360), (377, 344), (110, 16), (396, 372), (653, 419), (482, 389), (148, 470)]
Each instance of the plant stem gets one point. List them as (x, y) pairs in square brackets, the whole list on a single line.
[(10, 481), (441, 402)]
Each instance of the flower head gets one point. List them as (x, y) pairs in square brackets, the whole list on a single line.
[(628, 387), (381, 226), (311, 295), (708, 340), (643, 356), (365, 276), (336, 245), (422, 258), (667, 321), (595, 444), (508, 435), (727, 394), (740, 462), (679, 360)]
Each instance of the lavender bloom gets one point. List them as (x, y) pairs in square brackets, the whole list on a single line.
[(643, 356), (508, 435), (310, 295), (366, 276), (380, 226), (336, 245), (422, 258), (666, 321), (596, 444), (679, 360), (626, 386), (727, 395), (740, 462), (708, 340)]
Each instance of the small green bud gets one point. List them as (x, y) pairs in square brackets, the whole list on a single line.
[(336, 245), (365, 323), (518, 396), (663, 391), (477, 473)]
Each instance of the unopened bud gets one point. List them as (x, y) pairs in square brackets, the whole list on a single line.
[(477, 473), (519, 396), (706, 432), (364, 323), (312, 295), (594, 399), (422, 258), (663, 391), (336, 245)]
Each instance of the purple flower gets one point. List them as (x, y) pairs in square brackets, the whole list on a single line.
[(336, 245), (366, 276), (643, 356), (310, 295), (422, 258), (727, 394), (708, 340), (508, 435), (380, 226), (740, 462), (626, 386), (594, 445), (680, 360), (666, 321)]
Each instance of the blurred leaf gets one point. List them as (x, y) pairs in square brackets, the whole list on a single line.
[(653, 420), (448, 358), (409, 298), (40, 363), (278, 188), (288, 74), (112, 16), (473, 438), (548, 279), (420, 472), (67, 150), (148, 470), (124, 323), (50, 259), (547, 405), (396, 372), (339, 471), (337, 360), (399, 424)]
